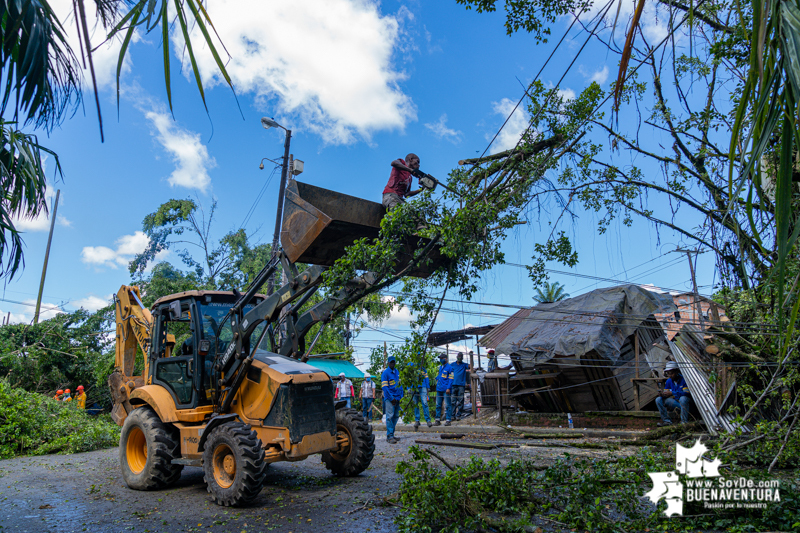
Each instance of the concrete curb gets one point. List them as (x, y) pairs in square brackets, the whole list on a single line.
[(495, 430)]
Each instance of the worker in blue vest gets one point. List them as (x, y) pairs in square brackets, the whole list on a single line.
[(675, 395), (420, 395), (460, 369), (392, 393), (444, 383)]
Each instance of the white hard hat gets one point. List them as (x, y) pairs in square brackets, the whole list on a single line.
[(671, 365), (341, 374)]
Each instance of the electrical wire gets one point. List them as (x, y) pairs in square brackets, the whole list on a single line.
[(258, 198)]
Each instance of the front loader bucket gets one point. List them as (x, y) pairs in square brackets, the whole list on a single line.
[(318, 224)]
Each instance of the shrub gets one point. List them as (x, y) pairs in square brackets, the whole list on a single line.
[(34, 424)]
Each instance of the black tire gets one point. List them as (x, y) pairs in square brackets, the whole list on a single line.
[(233, 464), (147, 447), (356, 456)]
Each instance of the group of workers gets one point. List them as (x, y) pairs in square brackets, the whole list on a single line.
[(65, 395), (451, 380)]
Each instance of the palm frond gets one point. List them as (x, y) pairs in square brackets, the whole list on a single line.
[(24, 186), (42, 74)]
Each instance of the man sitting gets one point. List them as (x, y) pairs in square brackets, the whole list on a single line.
[(674, 396)]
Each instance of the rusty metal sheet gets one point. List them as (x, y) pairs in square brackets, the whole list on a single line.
[(318, 224), (501, 331)]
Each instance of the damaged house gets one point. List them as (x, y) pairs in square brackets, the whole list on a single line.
[(594, 352)]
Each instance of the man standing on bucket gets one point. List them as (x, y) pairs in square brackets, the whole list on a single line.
[(392, 393)]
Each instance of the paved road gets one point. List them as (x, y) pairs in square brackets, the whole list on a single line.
[(84, 492)]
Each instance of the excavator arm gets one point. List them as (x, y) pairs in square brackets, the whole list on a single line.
[(134, 323)]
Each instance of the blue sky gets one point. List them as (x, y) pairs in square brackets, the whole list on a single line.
[(360, 84)]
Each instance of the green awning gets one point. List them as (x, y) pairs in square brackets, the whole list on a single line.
[(333, 367)]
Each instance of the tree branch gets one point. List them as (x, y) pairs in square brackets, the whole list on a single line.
[(714, 24)]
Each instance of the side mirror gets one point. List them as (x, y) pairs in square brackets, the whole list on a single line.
[(175, 310), (205, 347)]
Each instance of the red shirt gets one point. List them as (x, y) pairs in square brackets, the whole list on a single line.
[(399, 181)]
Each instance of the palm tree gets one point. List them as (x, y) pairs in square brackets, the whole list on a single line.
[(43, 79), (553, 292)]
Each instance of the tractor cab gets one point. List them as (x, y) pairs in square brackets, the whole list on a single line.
[(189, 330)]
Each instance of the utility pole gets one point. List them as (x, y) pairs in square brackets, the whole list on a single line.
[(270, 123), (46, 257), (698, 308)]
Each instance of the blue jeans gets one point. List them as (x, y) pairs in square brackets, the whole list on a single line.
[(421, 395), (346, 399), (457, 400), (392, 416), (443, 397), (668, 404), (366, 404)]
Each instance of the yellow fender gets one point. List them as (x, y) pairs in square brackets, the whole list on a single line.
[(158, 398)]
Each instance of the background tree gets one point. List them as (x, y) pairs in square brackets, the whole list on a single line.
[(550, 292)]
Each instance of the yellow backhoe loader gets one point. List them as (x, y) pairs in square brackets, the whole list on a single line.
[(237, 395)]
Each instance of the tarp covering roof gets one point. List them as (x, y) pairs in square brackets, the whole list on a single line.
[(598, 321), (333, 367)]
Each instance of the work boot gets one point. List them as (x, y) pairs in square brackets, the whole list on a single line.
[(392, 440), (663, 423), (429, 423), (437, 423), (446, 422), (416, 424)]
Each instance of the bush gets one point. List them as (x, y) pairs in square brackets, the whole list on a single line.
[(34, 424), (599, 495)]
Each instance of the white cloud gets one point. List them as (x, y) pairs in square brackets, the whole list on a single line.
[(42, 222), (327, 64), (127, 247), (105, 57), (514, 128), (441, 131), (400, 316), (566, 94), (92, 303), (189, 154), (46, 311), (600, 76)]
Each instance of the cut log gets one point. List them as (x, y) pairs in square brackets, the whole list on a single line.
[(474, 445)]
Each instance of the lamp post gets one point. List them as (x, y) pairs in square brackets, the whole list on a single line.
[(270, 123)]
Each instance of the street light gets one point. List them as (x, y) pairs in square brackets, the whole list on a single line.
[(270, 123), (261, 166)]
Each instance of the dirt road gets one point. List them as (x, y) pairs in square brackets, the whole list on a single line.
[(84, 492)]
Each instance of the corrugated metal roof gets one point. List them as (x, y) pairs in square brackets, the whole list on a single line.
[(333, 367), (501, 331)]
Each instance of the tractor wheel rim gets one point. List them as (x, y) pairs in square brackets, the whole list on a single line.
[(224, 463), (136, 450), (344, 443)]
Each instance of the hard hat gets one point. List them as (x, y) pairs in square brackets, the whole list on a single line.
[(341, 374), (66, 391), (390, 359), (367, 376), (671, 365), (442, 356), (59, 391), (491, 352), (80, 387)]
